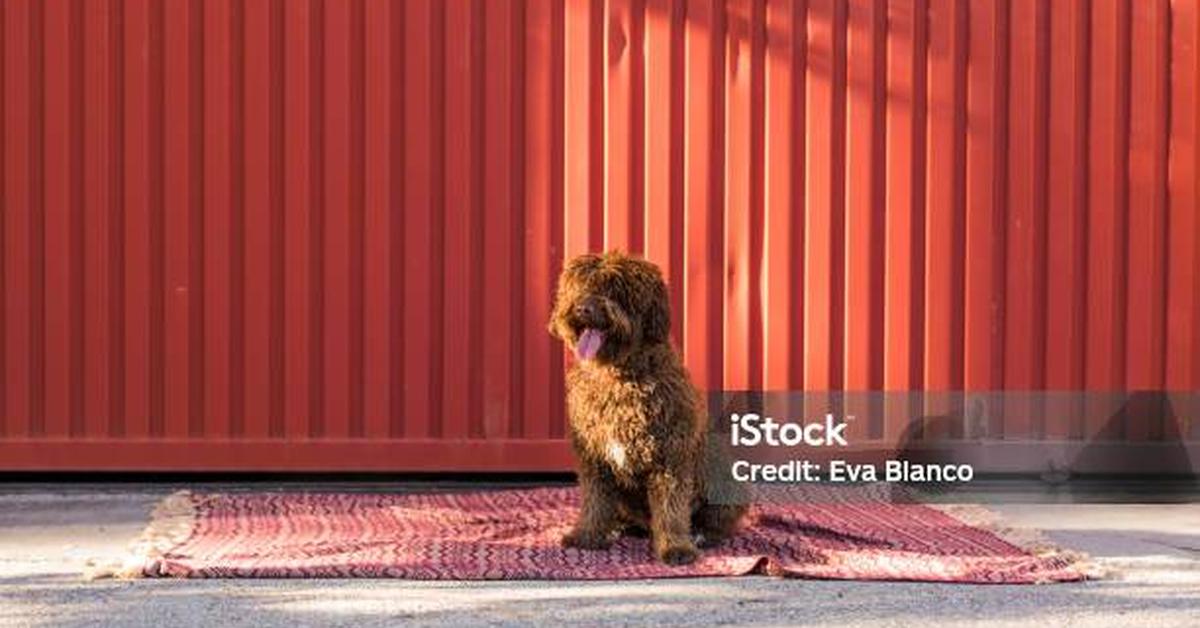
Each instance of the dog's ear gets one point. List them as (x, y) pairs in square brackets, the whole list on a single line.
[(556, 325), (552, 325), (657, 318)]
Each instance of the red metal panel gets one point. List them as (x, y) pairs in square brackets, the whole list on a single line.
[(543, 186), (424, 199), (218, 155), (501, 160), (904, 198), (54, 223), (1108, 202), (298, 225), (18, 202), (178, 211), (139, 170), (987, 117), (1066, 202), (743, 192), (463, 234), (624, 64), (339, 156), (945, 185), (783, 221), (1147, 227), (1025, 240), (864, 195), (583, 47), (1183, 180), (825, 186), (99, 202), (256, 327), (704, 192), (323, 234), (664, 119), (378, 298)]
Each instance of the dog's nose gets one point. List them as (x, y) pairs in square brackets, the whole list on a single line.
[(587, 310)]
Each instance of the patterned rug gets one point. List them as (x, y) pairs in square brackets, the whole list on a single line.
[(514, 534)]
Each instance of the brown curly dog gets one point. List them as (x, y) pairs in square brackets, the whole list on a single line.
[(637, 424)]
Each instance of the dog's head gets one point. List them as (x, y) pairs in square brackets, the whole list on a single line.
[(609, 306)]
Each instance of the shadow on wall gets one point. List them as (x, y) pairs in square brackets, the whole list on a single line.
[(1133, 434)]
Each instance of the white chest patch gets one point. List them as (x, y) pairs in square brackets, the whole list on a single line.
[(616, 454)]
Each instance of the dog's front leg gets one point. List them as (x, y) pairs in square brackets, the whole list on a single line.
[(597, 514), (670, 497)]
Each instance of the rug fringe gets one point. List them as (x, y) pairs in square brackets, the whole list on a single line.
[(1028, 539), (171, 523)]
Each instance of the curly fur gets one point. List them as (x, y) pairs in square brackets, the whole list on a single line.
[(637, 424)]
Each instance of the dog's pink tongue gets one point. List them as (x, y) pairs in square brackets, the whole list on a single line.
[(589, 344)]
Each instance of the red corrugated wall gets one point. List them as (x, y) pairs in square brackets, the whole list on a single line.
[(322, 234)]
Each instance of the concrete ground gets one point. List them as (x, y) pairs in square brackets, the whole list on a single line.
[(48, 531)]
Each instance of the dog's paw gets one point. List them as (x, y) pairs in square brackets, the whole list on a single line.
[(679, 554), (582, 539)]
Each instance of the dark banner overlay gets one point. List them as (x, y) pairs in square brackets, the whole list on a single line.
[(951, 445)]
